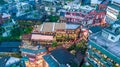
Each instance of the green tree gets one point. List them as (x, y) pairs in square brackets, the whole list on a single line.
[(16, 32), (118, 16), (2, 30), (28, 30), (53, 18), (54, 44)]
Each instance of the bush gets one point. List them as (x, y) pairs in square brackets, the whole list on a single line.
[(54, 44)]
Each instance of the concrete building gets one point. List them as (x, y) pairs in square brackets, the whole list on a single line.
[(23, 7), (103, 49), (95, 2), (10, 47), (10, 62), (76, 14), (33, 55), (59, 31), (113, 11)]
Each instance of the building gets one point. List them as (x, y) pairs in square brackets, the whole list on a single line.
[(23, 7), (61, 58), (86, 2), (41, 39), (34, 17), (4, 17), (59, 31), (113, 11), (103, 49), (9, 62), (51, 6), (76, 13), (8, 26), (33, 55), (95, 2), (11, 47)]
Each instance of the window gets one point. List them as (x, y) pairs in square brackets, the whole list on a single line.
[(68, 13), (77, 14), (112, 38)]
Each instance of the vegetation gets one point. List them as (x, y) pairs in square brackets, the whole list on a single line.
[(16, 33), (119, 16), (81, 46), (25, 24), (71, 47), (18, 55), (2, 30), (20, 31), (54, 44), (86, 65), (53, 18)]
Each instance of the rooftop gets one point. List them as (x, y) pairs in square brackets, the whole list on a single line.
[(41, 37), (33, 51), (114, 28), (51, 62), (7, 61), (72, 26), (59, 57), (62, 56), (52, 27), (95, 29), (10, 44)]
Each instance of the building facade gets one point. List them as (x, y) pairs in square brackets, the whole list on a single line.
[(113, 11), (34, 55), (103, 49), (59, 31)]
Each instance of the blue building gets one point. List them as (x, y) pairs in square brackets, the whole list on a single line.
[(13, 46), (10, 62), (86, 2), (103, 49)]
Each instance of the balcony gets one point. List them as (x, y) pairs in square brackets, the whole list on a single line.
[(105, 46), (91, 61)]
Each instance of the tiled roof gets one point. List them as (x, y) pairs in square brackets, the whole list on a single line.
[(62, 55), (10, 44), (51, 62)]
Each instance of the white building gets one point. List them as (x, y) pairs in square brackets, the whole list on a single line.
[(23, 7), (95, 2), (113, 11)]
